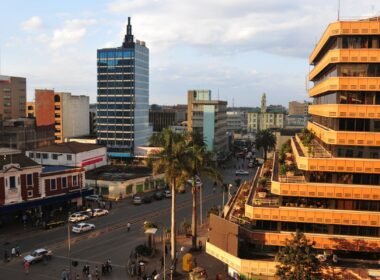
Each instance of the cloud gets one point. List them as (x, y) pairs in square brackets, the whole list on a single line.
[(31, 24), (71, 32)]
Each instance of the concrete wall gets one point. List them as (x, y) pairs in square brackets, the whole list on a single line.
[(75, 115)]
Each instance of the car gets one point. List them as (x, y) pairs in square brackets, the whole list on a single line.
[(87, 212), (147, 199), (94, 197), (198, 181), (241, 172), (167, 194), (77, 217), (137, 200), (158, 195), (82, 227), (100, 212), (38, 255)]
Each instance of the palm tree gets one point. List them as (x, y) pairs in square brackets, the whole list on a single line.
[(170, 162), (198, 161), (267, 140)]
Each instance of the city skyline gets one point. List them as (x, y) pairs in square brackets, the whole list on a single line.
[(237, 49)]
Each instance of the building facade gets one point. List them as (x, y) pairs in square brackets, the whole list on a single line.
[(123, 97), (68, 113), (70, 154), (327, 185), (23, 134), (166, 116), (209, 117), (12, 97), (26, 185), (298, 108), (265, 117), (236, 121)]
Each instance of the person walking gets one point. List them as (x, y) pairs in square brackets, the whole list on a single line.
[(26, 267), (200, 245), (13, 252), (128, 227)]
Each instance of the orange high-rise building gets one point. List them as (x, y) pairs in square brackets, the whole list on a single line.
[(326, 182)]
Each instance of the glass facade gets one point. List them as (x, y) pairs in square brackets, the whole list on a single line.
[(123, 97)]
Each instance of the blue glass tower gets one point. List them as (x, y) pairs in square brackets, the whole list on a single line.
[(123, 97)]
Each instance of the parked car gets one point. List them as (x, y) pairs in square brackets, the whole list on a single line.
[(198, 181), (100, 212), (241, 172), (87, 212), (38, 255), (147, 199), (137, 200), (158, 195), (167, 194), (77, 217), (82, 227), (94, 197)]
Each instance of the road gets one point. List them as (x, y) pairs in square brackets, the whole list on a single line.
[(110, 239)]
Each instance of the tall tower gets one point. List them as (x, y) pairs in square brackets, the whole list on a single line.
[(123, 96), (263, 103)]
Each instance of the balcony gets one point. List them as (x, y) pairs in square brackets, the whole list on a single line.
[(315, 215), (313, 162), (346, 138), (346, 84), (345, 28), (297, 186), (322, 241), (346, 111), (345, 56)]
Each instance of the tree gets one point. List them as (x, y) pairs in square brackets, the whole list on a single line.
[(170, 162), (298, 260), (267, 140), (198, 163)]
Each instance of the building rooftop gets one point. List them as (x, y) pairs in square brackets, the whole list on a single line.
[(69, 148), (8, 151), (118, 173), (55, 168), (20, 159)]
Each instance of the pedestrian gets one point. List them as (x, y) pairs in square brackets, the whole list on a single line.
[(89, 277), (139, 271), (26, 267), (13, 252), (128, 227), (110, 205), (64, 275), (18, 251), (6, 256), (200, 245)]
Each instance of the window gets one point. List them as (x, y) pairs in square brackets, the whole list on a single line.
[(29, 179), (45, 156), (12, 182), (38, 155), (64, 182), (53, 185), (30, 193), (69, 157), (75, 181), (31, 155), (54, 156)]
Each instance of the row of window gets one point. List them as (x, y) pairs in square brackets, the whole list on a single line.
[(345, 97), (47, 156), (64, 182), (129, 98), (127, 53), (117, 77), (103, 84)]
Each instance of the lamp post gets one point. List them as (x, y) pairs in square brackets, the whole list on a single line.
[(68, 243), (200, 204)]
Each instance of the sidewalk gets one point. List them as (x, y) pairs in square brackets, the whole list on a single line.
[(213, 266)]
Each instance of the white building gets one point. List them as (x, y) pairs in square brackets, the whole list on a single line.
[(74, 154), (75, 115), (236, 121)]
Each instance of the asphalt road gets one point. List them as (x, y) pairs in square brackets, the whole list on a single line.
[(110, 239)]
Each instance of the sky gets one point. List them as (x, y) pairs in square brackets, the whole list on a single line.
[(237, 48)]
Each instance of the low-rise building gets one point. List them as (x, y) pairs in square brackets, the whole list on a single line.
[(70, 154), (117, 182)]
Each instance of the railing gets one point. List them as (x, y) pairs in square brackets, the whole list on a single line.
[(268, 201), (292, 179)]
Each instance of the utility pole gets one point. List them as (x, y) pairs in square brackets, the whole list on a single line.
[(69, 243), (200, 204)]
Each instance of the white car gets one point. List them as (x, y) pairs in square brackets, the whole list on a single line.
[(77, 217), (241, 172), (82, 227), (198, 181), (137, 200), (38, 255), (167, 194), (94, 197), (99, 212)]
